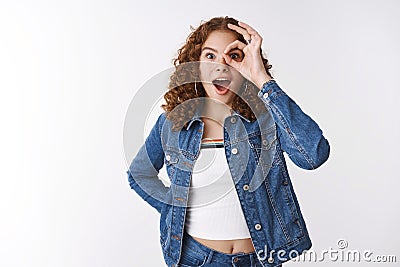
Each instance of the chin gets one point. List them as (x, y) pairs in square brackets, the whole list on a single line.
[(225, 98)]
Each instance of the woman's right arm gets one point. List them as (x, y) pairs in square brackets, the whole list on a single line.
[(143, 171), (299, 135)]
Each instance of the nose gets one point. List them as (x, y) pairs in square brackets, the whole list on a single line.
[(222, 66)]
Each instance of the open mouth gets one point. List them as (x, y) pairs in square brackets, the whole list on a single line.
[(222, 84)]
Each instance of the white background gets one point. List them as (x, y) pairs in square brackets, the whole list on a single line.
[(69, 69)]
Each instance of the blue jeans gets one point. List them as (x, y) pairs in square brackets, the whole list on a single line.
[(197, 254)]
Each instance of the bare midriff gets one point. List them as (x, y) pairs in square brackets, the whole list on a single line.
[(228, 246)]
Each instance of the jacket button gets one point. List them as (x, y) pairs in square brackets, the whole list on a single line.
[(233, 120), (265, 95), (246, 187), (234, 151), (257, 226), (270, 260), (285, 182), (265, 142), (168, 157)]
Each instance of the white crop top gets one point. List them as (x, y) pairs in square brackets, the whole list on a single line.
[(214, 211)]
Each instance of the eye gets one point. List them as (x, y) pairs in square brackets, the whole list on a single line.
[(210, 56), (236, 56)]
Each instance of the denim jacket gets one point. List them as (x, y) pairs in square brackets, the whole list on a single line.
[(254, 152)]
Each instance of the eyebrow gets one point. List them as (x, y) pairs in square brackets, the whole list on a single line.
[(209, 48), (212, 49)]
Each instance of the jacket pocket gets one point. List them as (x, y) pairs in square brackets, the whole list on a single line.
[(263, 146)]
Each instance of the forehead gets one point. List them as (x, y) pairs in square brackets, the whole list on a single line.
[(219, 38)]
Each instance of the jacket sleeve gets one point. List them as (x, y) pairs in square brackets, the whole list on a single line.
[(299, 135), (143, 171)]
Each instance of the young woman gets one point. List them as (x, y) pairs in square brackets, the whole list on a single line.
[(222, 136)]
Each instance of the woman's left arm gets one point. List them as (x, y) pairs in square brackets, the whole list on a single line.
[(299, 135)]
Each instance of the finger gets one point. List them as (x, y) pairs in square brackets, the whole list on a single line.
[(240, 30), (256, 41), (231, 62), (235, 44), (249, 29)]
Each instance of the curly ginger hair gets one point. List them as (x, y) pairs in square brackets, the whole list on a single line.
[(182, 85)]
